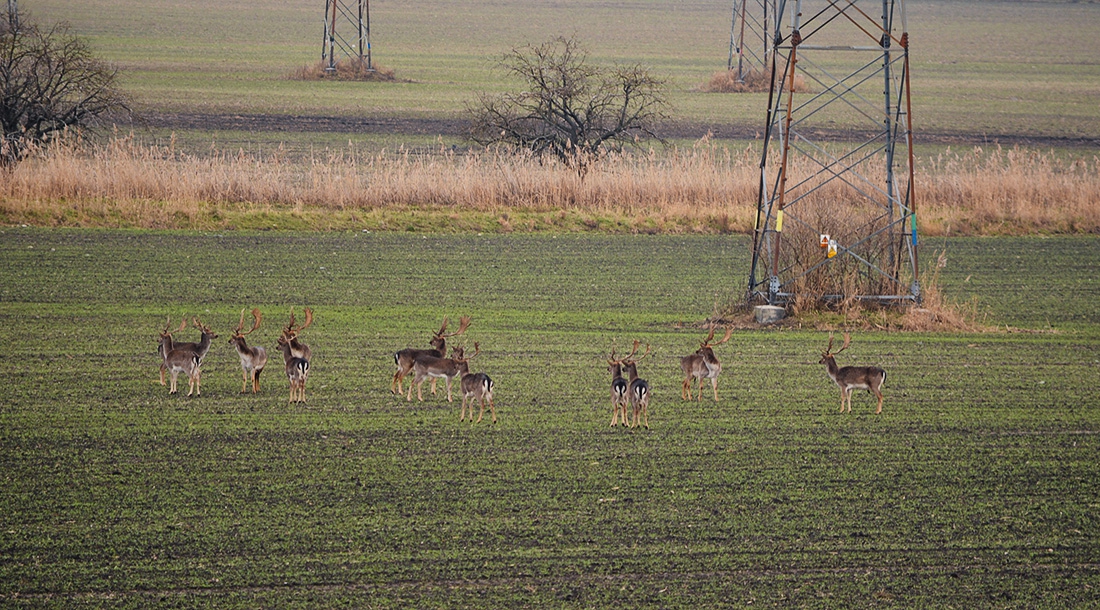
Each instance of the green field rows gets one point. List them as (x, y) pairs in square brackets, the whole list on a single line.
[(976, 486)]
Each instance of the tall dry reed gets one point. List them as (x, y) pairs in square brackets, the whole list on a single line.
[(705, 189)]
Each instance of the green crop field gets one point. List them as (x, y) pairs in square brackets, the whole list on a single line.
[(976, 487), (980, 69)]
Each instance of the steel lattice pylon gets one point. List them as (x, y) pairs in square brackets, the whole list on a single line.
[(752, 33), (357, 17), (835, 212)]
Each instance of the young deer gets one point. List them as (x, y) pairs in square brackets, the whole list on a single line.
[(849, 378), (253, 359), (426, 367), (187, 358), (702, 365), (166, 343), (475, 386), (404, 358), (297, 370), (638, 388), (290, 333), (619, 398)]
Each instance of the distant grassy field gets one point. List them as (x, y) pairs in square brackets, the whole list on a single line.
[(975, 488), (989, 68)]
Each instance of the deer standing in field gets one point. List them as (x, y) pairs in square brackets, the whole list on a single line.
[(475, 386), (637, 388), (290, 333), (619, 390), (166, 343), (253, 359), (849, 378), (187, 358), (297, 370), (425, 367), (702, 365), (404, 359)]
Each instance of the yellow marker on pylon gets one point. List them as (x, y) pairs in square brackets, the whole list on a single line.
[(779, 221), (832, 249)]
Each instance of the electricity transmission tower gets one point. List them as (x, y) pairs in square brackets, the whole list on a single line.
[(752, 31), (347, 18), (835, 212)]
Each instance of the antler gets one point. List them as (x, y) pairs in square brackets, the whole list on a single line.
[(255, 325), (707, 343), (168, 324), (477, 350), (198, 324), (290, 330), (847, 341), (309, 320), (463, 324), (631, 358), (729, 333), (829, 348), (612, 359), (442, 329)]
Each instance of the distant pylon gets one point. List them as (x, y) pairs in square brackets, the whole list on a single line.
[(752, 31), (340, 16), (836, 209)]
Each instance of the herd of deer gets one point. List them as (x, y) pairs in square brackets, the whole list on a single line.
[(187, 357), (629, 395)]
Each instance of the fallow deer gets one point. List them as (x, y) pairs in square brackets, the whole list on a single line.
[(475, 386), (702, 365), (290, 333), (297, 370), (166, 343), (187, 358), (404, 358), (253, 359), (425, 367), (849, 378), (638, 388), (619, 399)]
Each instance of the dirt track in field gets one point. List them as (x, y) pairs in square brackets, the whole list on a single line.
[(677, 130)]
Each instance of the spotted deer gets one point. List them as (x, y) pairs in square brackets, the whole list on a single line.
[(850, 378), (297, 370), (187, 358), (475, 387), (253, 359), (702, 365), (166, 343), (637, 388), (404, 359), (619, 399), (431, 367)]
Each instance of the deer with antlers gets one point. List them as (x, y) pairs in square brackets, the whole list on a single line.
[(475, 386), (297, 369), (619, 390), (166, 343), (290, 333), (404, 359), (431, 367), (850, 378), (253, 359), (702, 365), (637, 388), (187, 358)]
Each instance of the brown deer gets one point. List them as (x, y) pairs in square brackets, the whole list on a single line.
[(297, 370), (702, 365), (166, 343), (425, 367), (619, 399), (849, 378), (290, 333), (404, 359), (637, 388), (253, 359), (475, 386), (187, 358)]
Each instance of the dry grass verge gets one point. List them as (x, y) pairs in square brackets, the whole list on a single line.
[(751, 81), (705, 189)]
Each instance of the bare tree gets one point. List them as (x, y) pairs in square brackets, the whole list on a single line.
[(49, 83), (569, 108)]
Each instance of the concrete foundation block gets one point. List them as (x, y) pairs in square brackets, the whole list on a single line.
[(768, 314)]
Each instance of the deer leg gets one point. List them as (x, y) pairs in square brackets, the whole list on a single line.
[(433, 386), (685, 389), (699, 390), (481, 414), (198, 382), (714, 385), (256, 380), (163, 367), (448, 389), (492, 409), (172, 388), (878, 394)]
